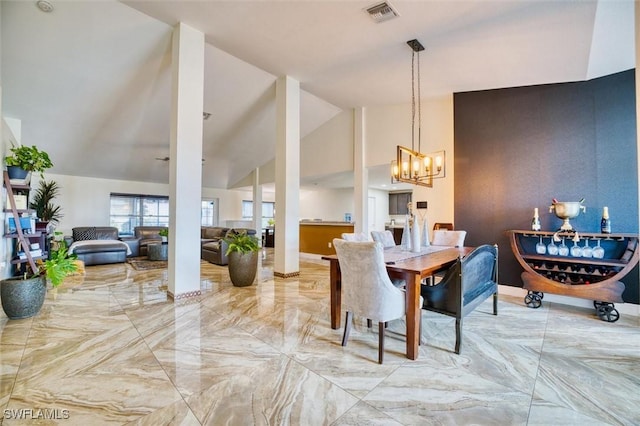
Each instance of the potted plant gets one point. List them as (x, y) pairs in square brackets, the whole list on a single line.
[(23, 296), (242, 251), (46, 211), (25, 159), (164, 234)]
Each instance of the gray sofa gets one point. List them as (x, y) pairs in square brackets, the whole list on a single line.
[(98, 245), (213, 248)]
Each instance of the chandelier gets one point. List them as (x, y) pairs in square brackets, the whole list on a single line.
[(411, 165)]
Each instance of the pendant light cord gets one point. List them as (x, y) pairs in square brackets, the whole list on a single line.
[(413, 101)]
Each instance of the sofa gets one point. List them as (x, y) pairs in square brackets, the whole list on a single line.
[(212, 245), (213, 248), (98, 245), (147, 235)]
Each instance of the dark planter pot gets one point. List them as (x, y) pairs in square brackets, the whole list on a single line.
[(42, 225), (23, 298), (16, 172), (243, 268)]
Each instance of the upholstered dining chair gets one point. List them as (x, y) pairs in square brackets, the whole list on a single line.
[(354, 236), (367, 290), (444, 237), (384, 237), (442, 225), (468, 283)]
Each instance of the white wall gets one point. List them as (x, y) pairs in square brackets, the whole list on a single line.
[(388, 126), (85, 201), (326, 204), (328, 149)]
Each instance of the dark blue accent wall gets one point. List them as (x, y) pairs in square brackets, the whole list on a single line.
[(518, 148)]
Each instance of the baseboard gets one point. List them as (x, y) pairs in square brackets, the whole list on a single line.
[(624, 308)]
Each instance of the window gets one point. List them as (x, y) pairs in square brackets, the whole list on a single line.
[(131, 210), (209, 212), (268, 211)]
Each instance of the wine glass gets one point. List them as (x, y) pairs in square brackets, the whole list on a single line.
[(598, 252), (552, 249), (576, 250), (586, 250), (563, 250), (540, 247)]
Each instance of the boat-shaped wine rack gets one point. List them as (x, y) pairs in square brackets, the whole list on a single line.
[(583, 265)]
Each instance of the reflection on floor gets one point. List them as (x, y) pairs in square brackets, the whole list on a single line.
[(110, 348)]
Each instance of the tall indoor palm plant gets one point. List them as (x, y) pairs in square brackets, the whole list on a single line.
[(42, 203)]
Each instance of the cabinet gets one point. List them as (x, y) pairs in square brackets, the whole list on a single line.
[(23, 237), (580, 273), (398, 203), (397, 233)]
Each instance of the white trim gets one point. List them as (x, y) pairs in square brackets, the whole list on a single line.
[(623, 308)]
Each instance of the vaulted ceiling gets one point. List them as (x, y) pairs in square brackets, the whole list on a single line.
[(91, 79)]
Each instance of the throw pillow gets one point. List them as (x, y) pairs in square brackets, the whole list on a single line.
[(83, 234)]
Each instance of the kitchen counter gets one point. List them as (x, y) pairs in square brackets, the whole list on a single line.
[(317, 236)]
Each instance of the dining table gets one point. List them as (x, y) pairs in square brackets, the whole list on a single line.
[(412, 267)]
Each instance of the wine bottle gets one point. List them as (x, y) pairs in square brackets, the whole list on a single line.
[(535, 222), (605, 222)]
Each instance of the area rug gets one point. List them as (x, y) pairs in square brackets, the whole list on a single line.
[(143, 264)]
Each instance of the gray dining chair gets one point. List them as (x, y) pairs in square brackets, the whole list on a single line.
[(367, 290), (354, 236), (384, 237), (444, 237), (468, 283)]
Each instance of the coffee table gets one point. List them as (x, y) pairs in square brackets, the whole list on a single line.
[(158, 251)]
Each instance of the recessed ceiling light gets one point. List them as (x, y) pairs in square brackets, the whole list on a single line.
[(44, 6)]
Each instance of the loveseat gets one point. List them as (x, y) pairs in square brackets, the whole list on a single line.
[(213, 248), (147, 235), (98, 245)]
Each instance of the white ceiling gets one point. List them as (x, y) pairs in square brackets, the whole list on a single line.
[(91, 80)]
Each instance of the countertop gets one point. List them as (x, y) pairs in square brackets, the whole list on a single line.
[(327, 223)]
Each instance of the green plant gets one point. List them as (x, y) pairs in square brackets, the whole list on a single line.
[(241, 242), (59, 265), (41, 203), (29, 158), (164, 232)]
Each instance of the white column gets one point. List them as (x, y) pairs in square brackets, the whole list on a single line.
[(185, 175), (287, 228), (361, 174), (257, 203)]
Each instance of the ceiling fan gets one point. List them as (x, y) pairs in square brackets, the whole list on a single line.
[(165, 159)]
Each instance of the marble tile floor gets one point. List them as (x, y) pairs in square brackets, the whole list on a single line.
[(109, 348)]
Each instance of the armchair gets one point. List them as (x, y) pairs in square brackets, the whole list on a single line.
[(469, 282), (147, 235)]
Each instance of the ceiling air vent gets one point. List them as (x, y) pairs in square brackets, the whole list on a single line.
[(382, 12)]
